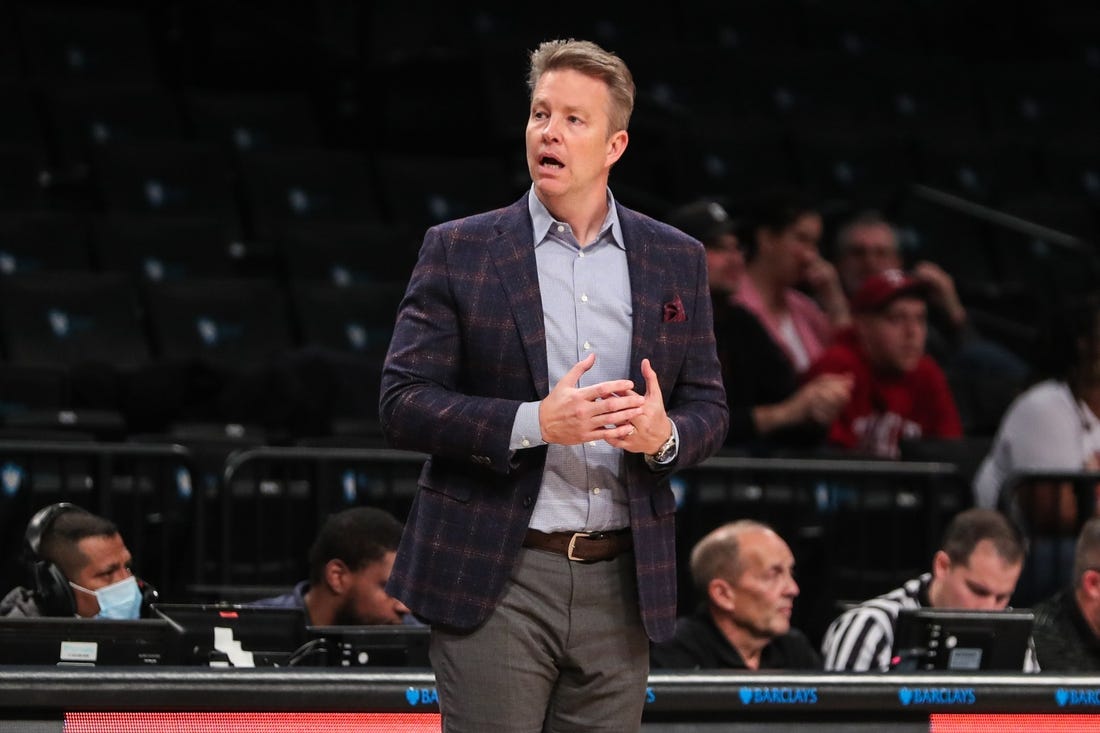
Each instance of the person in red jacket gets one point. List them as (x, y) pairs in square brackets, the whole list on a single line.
[(899, 391)]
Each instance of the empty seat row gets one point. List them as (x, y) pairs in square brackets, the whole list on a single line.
[(68, 318)]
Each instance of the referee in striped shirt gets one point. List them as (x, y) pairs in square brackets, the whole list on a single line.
[(976, 567)]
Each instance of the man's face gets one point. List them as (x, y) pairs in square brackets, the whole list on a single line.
[(790, 252), (985, 582), (108, 562), (570, 147), (894, 338), (764, 593), (366, 601), (725, 264), (871, 249)]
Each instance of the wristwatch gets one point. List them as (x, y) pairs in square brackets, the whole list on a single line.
[(667, 449)]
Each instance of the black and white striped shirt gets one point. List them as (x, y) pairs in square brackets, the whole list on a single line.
[(862, 638)]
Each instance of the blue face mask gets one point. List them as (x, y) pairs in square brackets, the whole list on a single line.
[(121, 600)]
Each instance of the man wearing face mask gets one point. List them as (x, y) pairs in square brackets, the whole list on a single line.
[(78, 566)]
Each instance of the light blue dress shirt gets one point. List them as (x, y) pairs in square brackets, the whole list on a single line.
[(586, 308)]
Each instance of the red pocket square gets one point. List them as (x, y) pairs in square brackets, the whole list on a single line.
[(674, 311)]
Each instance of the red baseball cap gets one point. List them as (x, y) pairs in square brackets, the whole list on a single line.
[(883, 288)]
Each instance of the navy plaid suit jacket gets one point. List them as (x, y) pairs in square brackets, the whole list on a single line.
[(469, 346)]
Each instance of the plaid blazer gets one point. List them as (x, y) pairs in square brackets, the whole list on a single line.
[(469, 346)]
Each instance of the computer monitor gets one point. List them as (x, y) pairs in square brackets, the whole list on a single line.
[(86, 642), (961, 640), (367, 646), (220, 635)]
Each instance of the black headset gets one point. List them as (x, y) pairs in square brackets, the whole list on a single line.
[(51, 588)]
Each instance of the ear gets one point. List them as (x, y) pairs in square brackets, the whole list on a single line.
[(1090, 583), (337, 576), (616, 145), (721, 594), (941, 564)]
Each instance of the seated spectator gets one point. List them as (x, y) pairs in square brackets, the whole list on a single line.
[(769, 409), (780, 238), (867, 244), (79, 566), (1067, 625), (899, 391), (349, 563), (1051, 426), (976, 567), (745, 573)]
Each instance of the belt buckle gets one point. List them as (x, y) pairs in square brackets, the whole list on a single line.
[(573, 544)]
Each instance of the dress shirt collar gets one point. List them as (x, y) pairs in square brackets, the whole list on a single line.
[(542, 220)]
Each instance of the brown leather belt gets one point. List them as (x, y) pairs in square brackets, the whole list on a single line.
[(582, 546)]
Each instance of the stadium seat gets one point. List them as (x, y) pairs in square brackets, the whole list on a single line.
[(71, 43), (168, 248), (165, 179), (422, 190), (72, 318), (43, 240), (87, 115), (24, 177), (242, 121), (232, 323), (347, 254), (287, 186), (357, 319)]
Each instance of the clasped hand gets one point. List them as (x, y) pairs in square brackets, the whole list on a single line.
[(610, 411)]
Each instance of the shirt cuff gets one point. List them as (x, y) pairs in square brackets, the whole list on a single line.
[(526, 432)]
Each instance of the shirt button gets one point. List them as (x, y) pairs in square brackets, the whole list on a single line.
[(596, 490), (561, 228), (525, 443), (587, 346), (591, 444), (584, 298)]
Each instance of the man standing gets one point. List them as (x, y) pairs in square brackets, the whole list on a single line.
[(556, 360), (1067, 625), (899, 392), (976, 567), (745, 573)]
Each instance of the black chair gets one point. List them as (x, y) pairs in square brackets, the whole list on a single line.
[(856, 166), (253, 120), (22, 123), (288, 186), (44, 240), (736, 160), (1039, 100), (422, 190), (88, 115), (168, 179), (977, 168), (347, 254), (72, 43), (154, 249), (72, 318), (24, 176), (356, 319), (233, 323)]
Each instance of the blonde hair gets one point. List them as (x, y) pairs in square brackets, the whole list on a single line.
[(591, 60)]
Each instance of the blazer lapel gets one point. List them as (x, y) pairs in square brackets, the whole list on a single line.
[(645, 323), (514, 258)]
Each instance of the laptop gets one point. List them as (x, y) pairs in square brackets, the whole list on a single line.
[(927, 639)]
